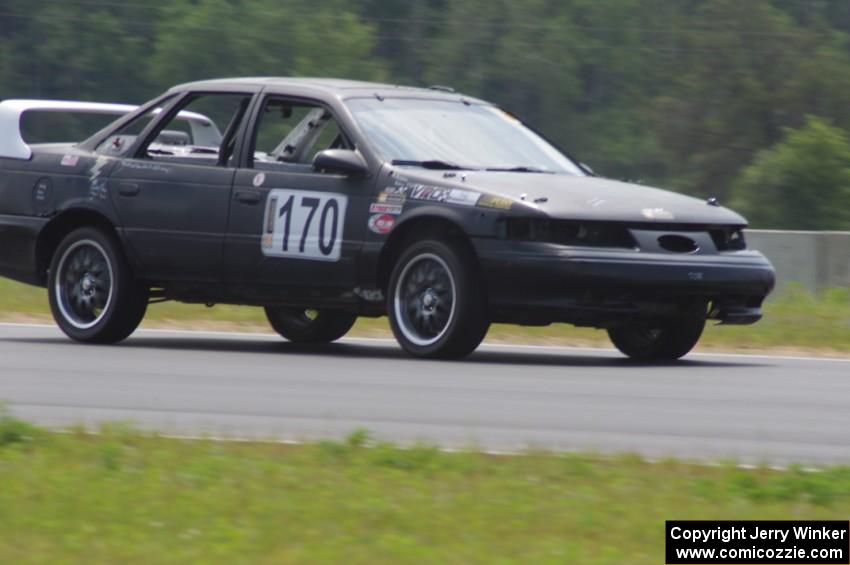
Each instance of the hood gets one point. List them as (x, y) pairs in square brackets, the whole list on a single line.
[(586, 198)]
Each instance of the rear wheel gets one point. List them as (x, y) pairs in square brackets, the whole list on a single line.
[(93, 294), (305, 325), (436, 305), (658, 341)]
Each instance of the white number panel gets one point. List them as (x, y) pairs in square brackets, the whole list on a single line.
[(303, 224)]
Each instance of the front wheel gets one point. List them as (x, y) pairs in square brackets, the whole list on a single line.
[(305, 325), (658, 342), (93, 295), (436, 305)]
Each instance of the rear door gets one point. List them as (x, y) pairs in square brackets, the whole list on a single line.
[(294, 232), (173, 195)]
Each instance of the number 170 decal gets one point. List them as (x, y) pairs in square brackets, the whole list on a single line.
[(302, 224)]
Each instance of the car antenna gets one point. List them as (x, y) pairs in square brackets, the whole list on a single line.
[(441, 88)]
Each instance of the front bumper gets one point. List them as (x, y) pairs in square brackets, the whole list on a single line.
[(532, 282)]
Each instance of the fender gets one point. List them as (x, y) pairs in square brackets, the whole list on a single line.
[(72, 215)]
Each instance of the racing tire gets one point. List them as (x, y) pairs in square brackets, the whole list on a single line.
[(303, 325), (665, 342), (435, 301), (93, 294)]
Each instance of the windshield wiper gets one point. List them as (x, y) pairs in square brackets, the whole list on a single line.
[(433, 164), (520, 169)]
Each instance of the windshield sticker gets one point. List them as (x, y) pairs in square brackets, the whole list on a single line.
[(499, 202), (381, 224), (69, 160), (385, 208)]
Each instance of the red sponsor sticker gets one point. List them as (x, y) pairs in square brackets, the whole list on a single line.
[(381, 224), (385, 208)]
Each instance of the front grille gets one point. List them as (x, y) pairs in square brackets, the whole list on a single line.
[(611, 234)]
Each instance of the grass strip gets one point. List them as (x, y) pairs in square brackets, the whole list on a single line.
[(129, 497)]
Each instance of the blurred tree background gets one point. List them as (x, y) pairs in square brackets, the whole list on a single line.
[(747, 100)]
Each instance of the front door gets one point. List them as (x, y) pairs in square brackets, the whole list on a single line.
[(294, 232)]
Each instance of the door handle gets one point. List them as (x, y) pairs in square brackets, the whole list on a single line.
[(128, 189), (248, 196)]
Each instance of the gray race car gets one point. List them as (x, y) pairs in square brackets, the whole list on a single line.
[(324, 200)]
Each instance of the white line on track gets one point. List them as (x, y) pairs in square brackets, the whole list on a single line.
[(386, 341)]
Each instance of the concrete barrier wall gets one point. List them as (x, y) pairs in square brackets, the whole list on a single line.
[(816, 259)]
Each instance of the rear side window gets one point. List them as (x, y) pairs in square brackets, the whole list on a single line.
[(119, 141), (201, 131)]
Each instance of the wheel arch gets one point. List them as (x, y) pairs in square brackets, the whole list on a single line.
[(57, 228), (426, 224)]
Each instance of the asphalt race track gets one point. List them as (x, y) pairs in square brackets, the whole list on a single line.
[(755, 409)]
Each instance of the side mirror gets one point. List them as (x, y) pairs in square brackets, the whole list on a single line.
[(343, 161)]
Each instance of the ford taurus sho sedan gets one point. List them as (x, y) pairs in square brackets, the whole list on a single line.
[(325, 200)]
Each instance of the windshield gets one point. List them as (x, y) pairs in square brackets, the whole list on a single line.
[(452, 134)]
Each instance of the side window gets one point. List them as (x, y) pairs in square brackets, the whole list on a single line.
[(201, 132), (289, 134)]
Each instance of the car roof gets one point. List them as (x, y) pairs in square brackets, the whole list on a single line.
[(340, 88)]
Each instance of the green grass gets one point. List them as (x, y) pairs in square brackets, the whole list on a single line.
[(796, 320), (128, 497)]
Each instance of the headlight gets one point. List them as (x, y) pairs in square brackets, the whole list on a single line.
[(567, 232), (728, 238)]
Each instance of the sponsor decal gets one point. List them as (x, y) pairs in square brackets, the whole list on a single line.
[(381, 224), (447, 195), (463, 197), (42, 195), (402, 190), (499, 202), (656, 214), (385, 208), (43, 190), (97, 189), (432, 193), (390, 196), (259, 179), (70, 160), (131, 164)]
